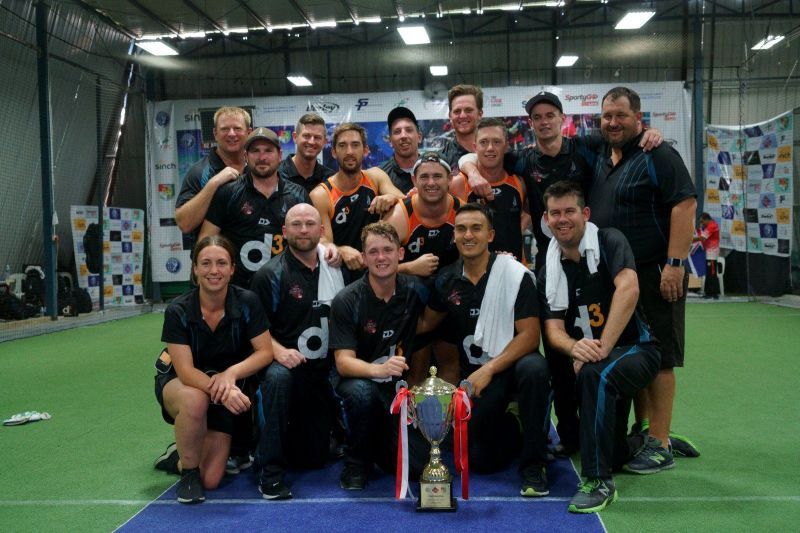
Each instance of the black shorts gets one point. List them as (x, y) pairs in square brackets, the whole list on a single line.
[(667, 320), (218, 418)]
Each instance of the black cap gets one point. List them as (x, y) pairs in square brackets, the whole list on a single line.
[(401, 112), (546, 97)]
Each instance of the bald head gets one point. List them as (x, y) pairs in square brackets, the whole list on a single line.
[(302, 228)]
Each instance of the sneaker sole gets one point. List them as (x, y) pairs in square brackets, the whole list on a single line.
[(530, 492), (352, 488), (275, 497), (191, 501), (597, 508), (158, 463), (653, 470)]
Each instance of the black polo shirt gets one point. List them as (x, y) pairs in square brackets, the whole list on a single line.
[(637, 196), (573, 163), (455, 295), (225, 346), (253, 222), (451, 152), (288, 291), (590, 294), (288, 171), (400, 177), (193, 182), (375, 329)]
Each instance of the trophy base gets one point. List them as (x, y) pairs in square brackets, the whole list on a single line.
[(436, 497)]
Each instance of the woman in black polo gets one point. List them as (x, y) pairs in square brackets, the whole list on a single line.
[(216, 335)]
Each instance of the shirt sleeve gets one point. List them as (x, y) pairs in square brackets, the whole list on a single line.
[(343, 335), (671, 175), (261, 285), (516, 162), (436, 299), (616, 251), (175, 330), (256, 321), (189, 189), (527, 304), (217, 209)]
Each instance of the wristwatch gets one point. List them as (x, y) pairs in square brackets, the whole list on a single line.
[(675, 262)]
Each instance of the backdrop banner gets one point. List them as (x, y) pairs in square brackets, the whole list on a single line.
[(749, 185), (123, 253), (180, 133)]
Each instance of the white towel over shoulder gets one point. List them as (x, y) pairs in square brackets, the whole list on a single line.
[(555, 287), (330, 279), (495, 327)]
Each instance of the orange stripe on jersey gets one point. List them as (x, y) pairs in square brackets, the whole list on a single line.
[(414, 221), (335, 193), (510, 179)]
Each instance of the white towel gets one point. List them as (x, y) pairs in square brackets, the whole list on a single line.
[(330, 279), (495, 327), (556, 283)]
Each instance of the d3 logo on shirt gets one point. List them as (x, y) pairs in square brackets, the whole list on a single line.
[(415, 246), (313, 342), (475, 354), (255, 253), (341, 217)]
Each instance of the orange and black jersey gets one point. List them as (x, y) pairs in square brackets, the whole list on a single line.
[(349, 211), (509, 199), (437, 240), (590, 294)]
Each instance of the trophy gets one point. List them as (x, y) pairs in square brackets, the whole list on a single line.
[(432, 407)]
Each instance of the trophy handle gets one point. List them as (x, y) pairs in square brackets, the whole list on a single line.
[(401, 384), (467, 386)]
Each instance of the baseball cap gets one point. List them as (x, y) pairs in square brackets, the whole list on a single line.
[(401, 112), (265, 134), (546, 97), (431, 157)]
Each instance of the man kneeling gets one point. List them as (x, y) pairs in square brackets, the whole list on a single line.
[(589, 291)]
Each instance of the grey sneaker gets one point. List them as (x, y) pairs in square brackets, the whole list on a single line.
[(593, 495), (650, 459), (238, 463), (190, 487)]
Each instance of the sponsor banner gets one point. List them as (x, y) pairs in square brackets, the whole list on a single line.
[(180, 133), (123, 253), (749, 185)]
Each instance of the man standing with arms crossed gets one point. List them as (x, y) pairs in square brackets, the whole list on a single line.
[(224, 163), (651, 199)]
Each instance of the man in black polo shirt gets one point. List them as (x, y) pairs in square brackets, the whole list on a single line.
[(250, 211), (373, 322), (223, 164), (588, 290), (302, 167), (296, 399), (405, 138), (492, 312), (650, 198)]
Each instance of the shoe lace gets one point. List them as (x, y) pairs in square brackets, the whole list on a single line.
[(588, 486)]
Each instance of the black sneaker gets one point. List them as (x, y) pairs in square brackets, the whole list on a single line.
[(190, 487), (354, 477), (563, 452), (276, 490), (593, 495), (238, 463), (534, 482), (168, 461), (651, 458), (682, 446)]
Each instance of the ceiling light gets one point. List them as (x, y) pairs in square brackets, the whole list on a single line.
[(438, 70), (157, 48), (633, 20), (371, 20), (192, 34), (299, 80), (768, 42), (323, 24), (413, 34), (566, 61), (506, 7)]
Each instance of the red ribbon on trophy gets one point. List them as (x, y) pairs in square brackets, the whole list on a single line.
[(462, 413), (400, 406)]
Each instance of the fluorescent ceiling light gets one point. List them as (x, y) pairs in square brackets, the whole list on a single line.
[(299, 80), (768, 42), (323, 24), (634, 20), (157, 48), (566, 61), (438, 70), (193, 34), (413, 34), (504, 7), (370, 20), (238, 30)]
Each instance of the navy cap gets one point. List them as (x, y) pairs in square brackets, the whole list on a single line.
[(546, 97), (401, 112)]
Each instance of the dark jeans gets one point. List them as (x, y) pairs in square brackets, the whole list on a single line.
[(294, 420), (494, 433), (372, 431), (606, 389)]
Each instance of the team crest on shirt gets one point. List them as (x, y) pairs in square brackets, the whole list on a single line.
[(454, 298), (370, 327), (537, 176), (247, 209), (296, 291)]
